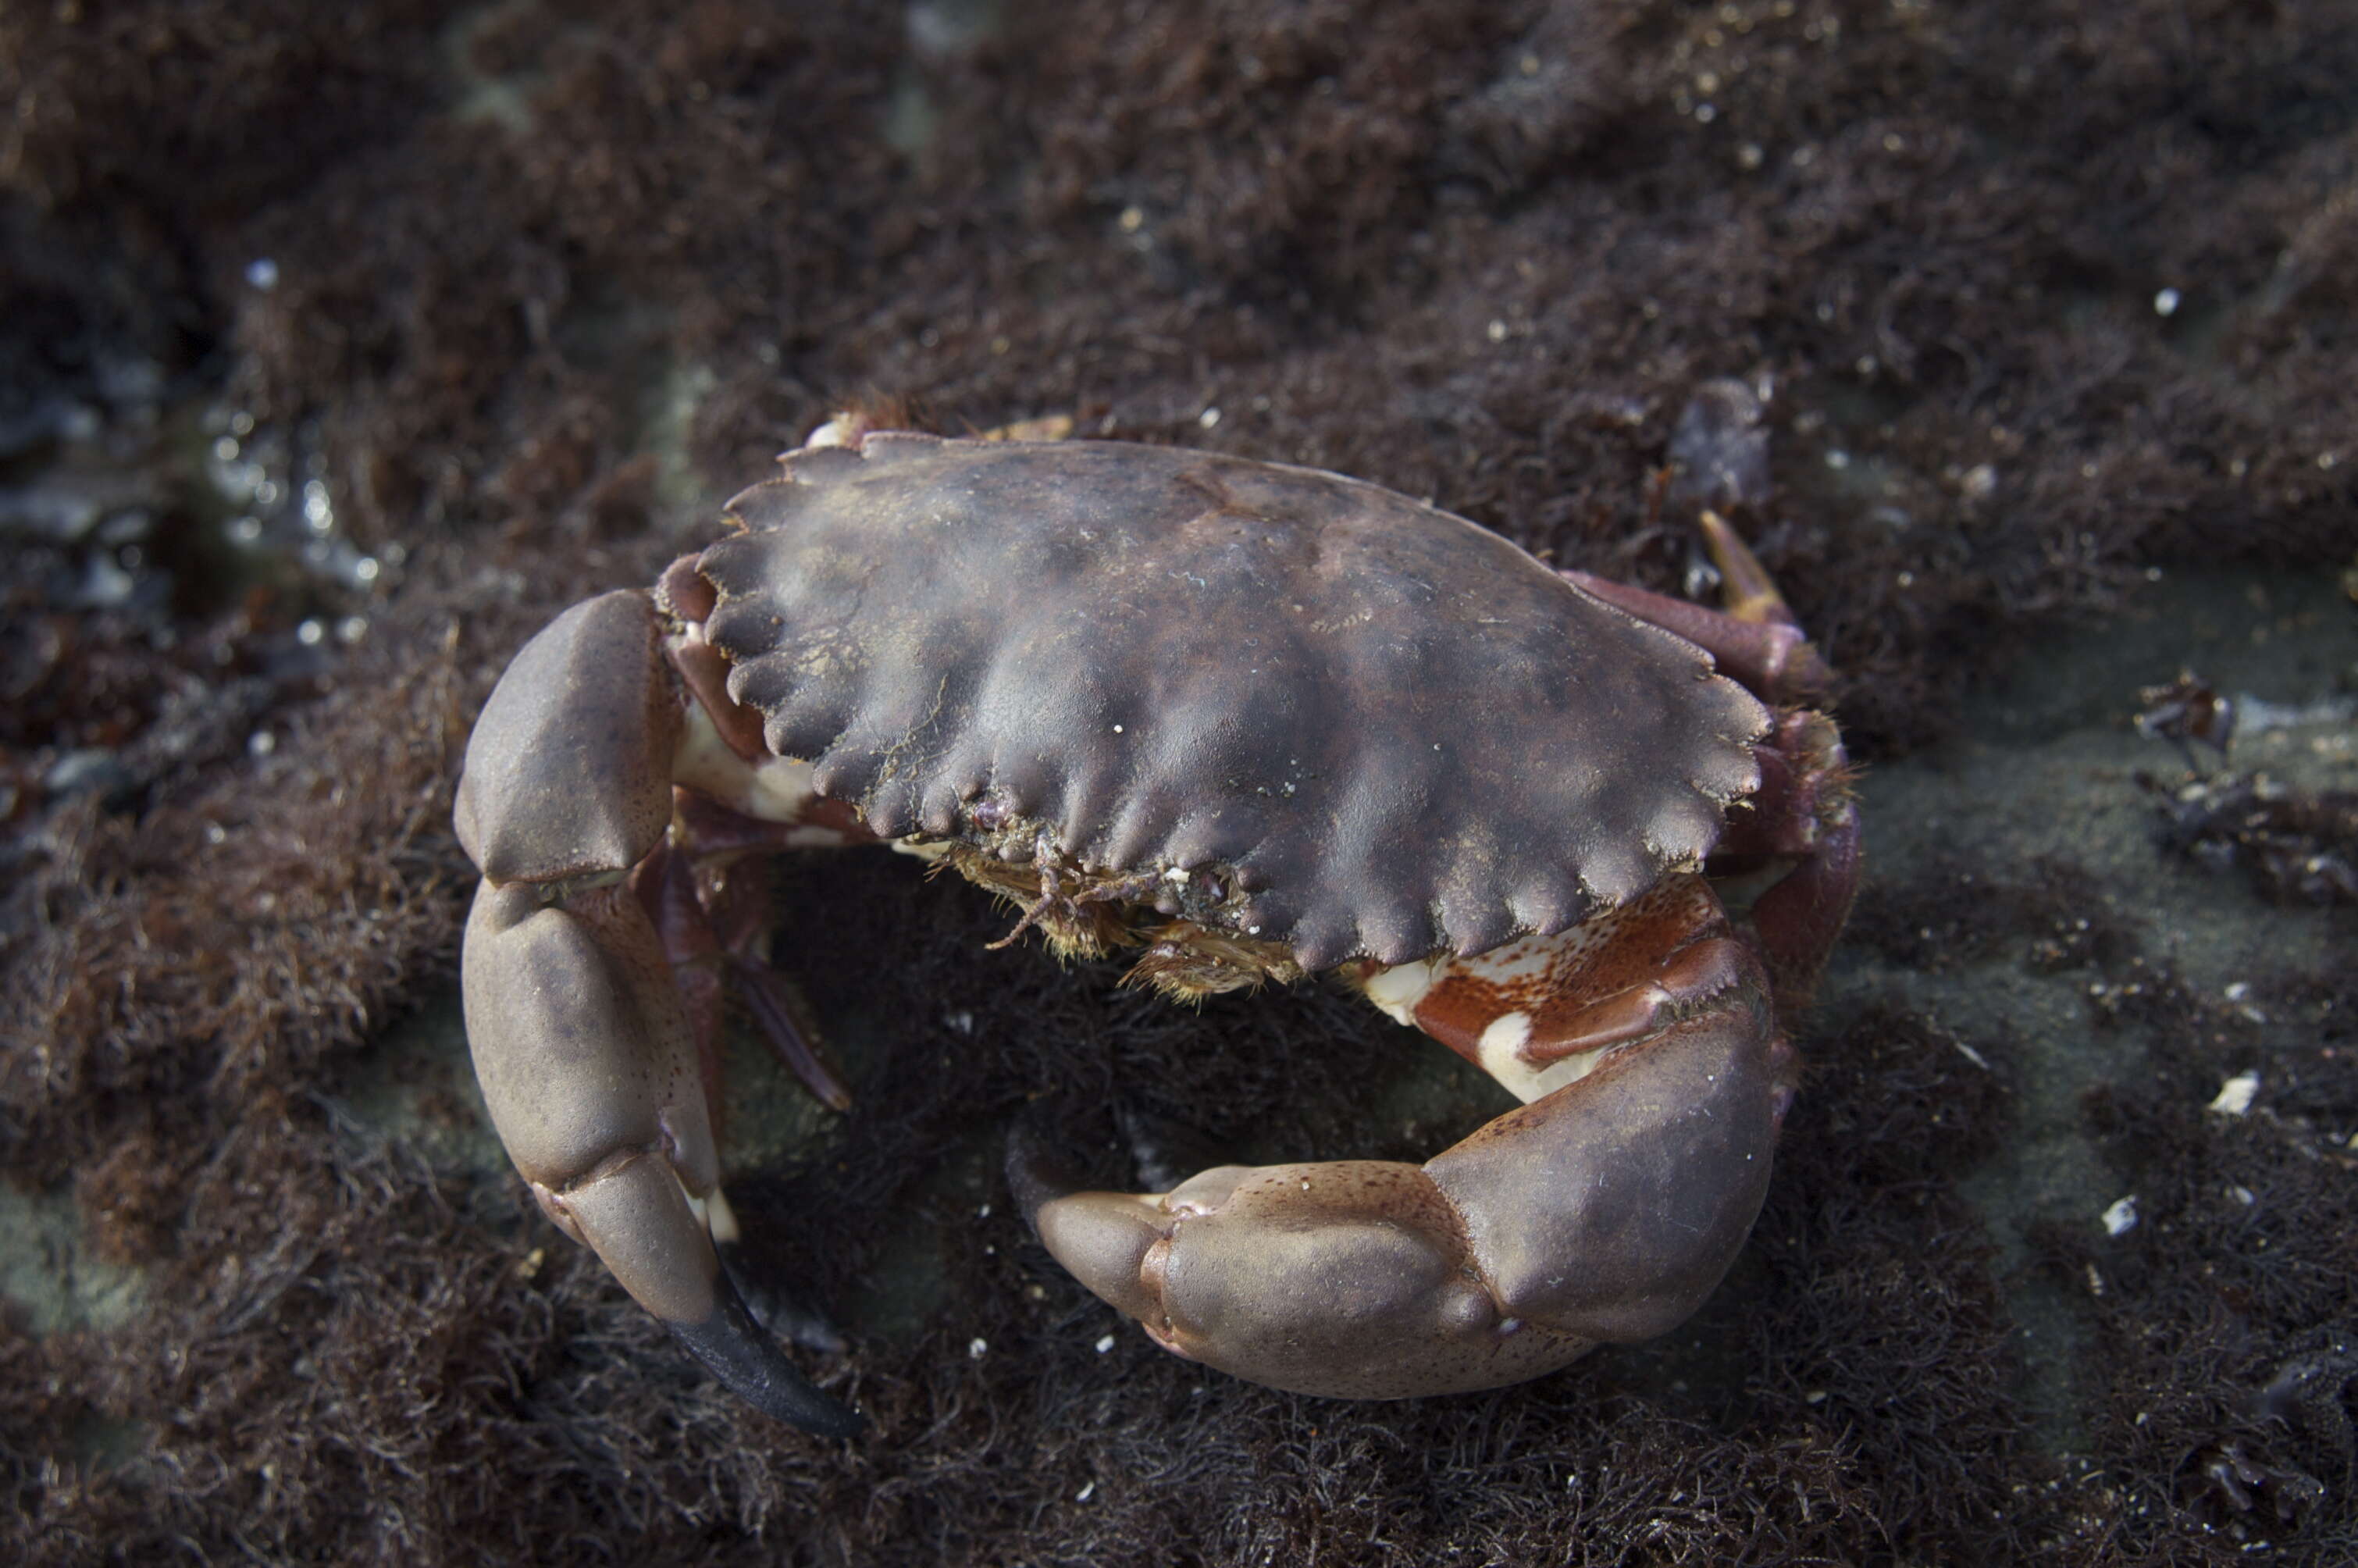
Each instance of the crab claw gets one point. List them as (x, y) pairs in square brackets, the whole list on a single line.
[(591, 1077), (580, 1040), (1347, 1278), (1606, 1211)]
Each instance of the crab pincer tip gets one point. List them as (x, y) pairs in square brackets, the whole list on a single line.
[(749, 1361), (1035, 1173)]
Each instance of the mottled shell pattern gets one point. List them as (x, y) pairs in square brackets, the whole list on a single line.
[(1293, 709)]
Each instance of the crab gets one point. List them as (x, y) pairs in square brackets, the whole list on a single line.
[(1254, 723)]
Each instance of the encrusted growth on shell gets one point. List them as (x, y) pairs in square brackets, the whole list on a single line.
[(1189, 953), (1390, 731)]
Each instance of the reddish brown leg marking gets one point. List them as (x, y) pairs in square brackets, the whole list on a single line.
[(1524, 1012), (1605, 1208)]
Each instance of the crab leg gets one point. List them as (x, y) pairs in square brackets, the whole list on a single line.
[(1605, 1208), (581, 1041), (706, 945), (1801, 819)]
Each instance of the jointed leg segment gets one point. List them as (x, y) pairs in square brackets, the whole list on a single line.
[(1606, 1209), (581, 1044)]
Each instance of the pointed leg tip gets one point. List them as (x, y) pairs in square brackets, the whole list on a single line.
[(757, 1371)]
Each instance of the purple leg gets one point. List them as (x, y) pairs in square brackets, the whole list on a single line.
[(1755, 640), (1802, 817), (710, 930)]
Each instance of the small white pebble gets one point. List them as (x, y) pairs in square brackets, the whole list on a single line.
[(1105, 1345), (977, 1347), (2235, 1095), (262, 273), (2165, 303), (1086, 1493), (2122, 1217), (1208, 418), (1117, 729), (1177, 875), (982, 1213)]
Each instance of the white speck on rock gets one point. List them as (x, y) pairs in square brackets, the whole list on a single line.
[(2234, 1097)]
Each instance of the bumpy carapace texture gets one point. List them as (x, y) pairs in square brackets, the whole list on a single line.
[(1440, 744)]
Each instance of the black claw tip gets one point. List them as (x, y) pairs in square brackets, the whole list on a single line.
[(1035, 1173), (758, 1372)]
